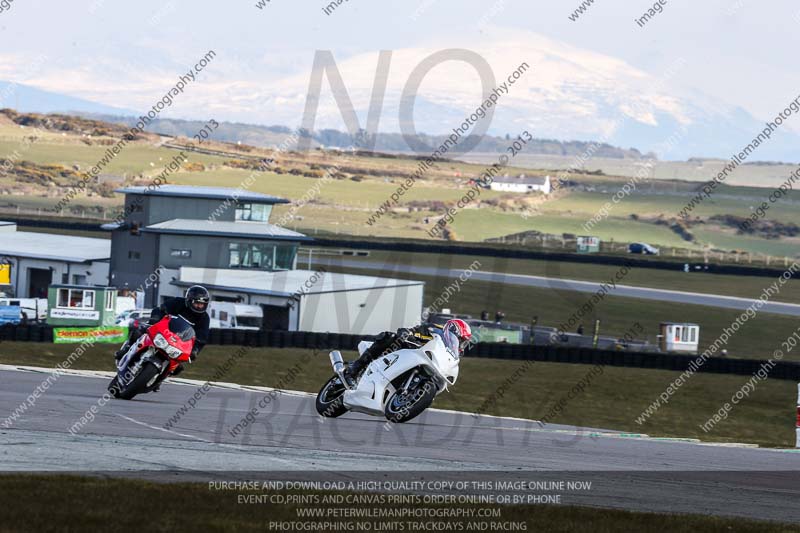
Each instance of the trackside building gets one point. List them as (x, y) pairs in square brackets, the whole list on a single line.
[(32, 261), (176, 236), (304, 300)]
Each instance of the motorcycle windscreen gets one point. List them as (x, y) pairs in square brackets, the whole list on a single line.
[(182, 328), (454, 345)]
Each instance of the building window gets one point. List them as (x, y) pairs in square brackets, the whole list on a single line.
[(135, 256), (252, 212), (75, 298), (64, 278), (284, 256), (234, 260), (251, 255), (181, 253), (263, 256), (243, 211), (78, 279), (109, 301)]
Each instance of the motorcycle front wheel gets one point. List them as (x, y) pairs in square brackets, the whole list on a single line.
[(113, 387), (146, 377), (405, 405), (330, 400)]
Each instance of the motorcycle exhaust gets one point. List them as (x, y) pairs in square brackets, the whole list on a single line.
[(338, 366)]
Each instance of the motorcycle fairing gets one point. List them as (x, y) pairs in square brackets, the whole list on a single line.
[(375, 386)]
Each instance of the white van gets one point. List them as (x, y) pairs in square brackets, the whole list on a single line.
[(228, 315), (30, 308), (124, 303)]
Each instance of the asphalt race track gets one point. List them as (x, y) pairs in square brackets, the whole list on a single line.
[(290, 439), (628, 291)]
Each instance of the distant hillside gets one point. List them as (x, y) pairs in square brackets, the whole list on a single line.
[(27, 99), (271, 136), (65, 123)]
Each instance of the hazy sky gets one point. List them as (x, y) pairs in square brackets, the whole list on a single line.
[(742, 52)]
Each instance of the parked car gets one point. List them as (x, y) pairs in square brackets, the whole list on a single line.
[(127, 318), (31, 309), (642, 248)]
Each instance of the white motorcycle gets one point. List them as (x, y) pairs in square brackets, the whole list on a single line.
[(399, 386)]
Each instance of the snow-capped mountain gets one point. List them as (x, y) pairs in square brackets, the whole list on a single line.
[(567, 93)]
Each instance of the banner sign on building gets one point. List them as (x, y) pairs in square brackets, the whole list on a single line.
[(114, 334), (78, 314)]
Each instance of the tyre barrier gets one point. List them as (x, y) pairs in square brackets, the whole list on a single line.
[(657, 361), (550, 354)]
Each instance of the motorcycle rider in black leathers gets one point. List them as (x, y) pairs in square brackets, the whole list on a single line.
[(193, 307), (388, 342)]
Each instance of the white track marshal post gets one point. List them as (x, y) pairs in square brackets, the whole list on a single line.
[(797, 424)]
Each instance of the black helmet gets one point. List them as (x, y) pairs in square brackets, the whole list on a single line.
[(197, 299)]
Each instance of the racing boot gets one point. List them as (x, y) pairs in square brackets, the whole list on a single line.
[(352, 371), (122, 351)]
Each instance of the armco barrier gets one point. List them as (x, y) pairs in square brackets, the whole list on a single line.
[(551, 354)]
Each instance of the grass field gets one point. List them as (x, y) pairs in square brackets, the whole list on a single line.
[(72, 503), (728, 241), (653, 203), (746, 176), (476, 224), (614, 398), (343, 205)]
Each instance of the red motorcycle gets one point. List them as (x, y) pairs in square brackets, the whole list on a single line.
[(153, 357)]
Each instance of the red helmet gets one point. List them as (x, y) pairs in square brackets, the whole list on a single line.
[(456, 335)]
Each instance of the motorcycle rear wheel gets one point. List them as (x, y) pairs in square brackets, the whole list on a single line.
[(330, 399), (143, 380)]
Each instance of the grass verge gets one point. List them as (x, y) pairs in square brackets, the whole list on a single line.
[(48, 503)]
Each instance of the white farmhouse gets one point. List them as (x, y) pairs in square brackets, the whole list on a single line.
[(521, 183)]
